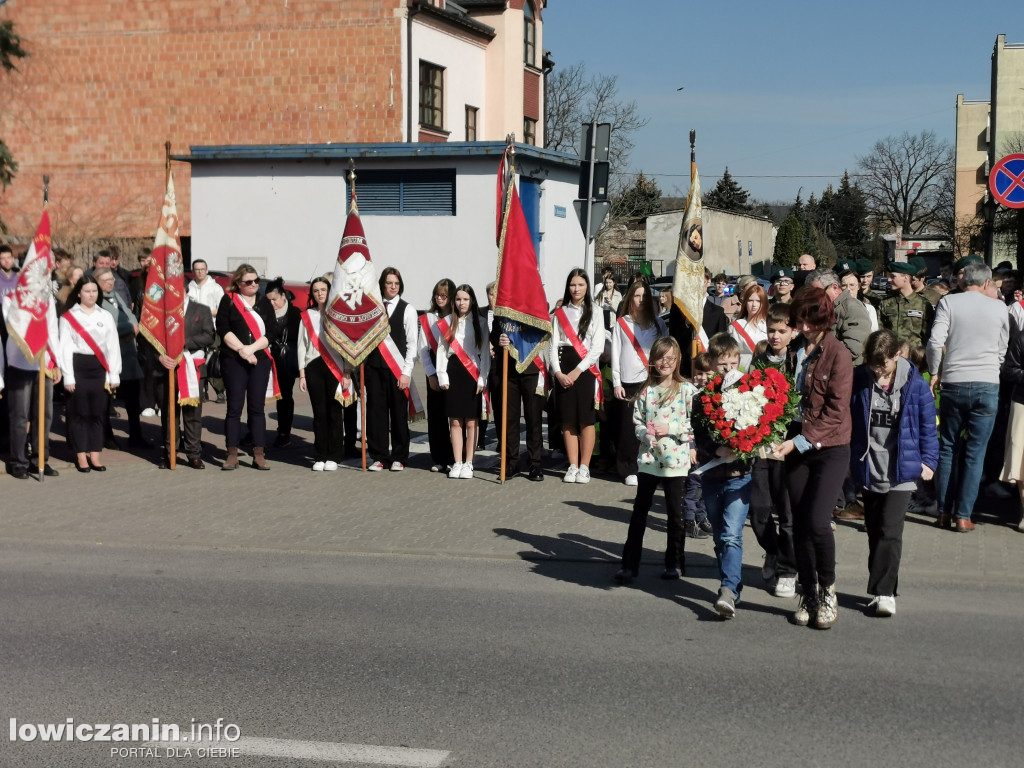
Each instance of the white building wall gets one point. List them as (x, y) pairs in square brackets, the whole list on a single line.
[(722, 232), (292, 215), (464, 77)]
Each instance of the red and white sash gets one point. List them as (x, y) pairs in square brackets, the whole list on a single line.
[(188, 377), (89, 340), (468, 364), (573, 338), (258, 330), (344, 395), (389, 351), (428, 332), (542, 379), (632, 340), (746, 336)]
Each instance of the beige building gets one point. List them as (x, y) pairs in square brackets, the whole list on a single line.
[(985, 132), (734, 243)]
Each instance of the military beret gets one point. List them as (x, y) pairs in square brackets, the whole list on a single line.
[(901, 267), (782, 272), (971, 259), (864, 266), (846, 265), (918, 263)]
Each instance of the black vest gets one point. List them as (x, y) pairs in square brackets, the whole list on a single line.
[(397, 334)]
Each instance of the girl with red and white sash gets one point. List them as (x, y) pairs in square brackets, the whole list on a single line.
[(90, 362), (750, 328), (247, 325), (330, 387), (439, 438), (463, 362), (636, 329), (577, 341)]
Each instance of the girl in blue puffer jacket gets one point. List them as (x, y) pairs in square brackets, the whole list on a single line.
[(894, 443)]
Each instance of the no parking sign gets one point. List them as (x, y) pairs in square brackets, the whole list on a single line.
[(1006, 181)]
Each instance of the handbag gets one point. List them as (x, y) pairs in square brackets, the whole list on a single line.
[(213, 365)]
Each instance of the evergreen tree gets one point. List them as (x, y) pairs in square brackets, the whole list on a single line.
[(639, 200), (10, 51), (789, 243), (850, 226), (728, 195)]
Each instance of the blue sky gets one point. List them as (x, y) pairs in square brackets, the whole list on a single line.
[(782, 89)]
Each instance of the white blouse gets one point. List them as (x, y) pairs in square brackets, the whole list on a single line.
[(593, 343), (627, 367), (757, 332), (101, 326), (478, 350), (424, 343)]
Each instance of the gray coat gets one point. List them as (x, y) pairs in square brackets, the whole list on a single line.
[(852, 326)]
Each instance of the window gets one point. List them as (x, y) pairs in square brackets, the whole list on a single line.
[(471, 123), (529, 131), (428, 192), (431, 95), (529, 35)]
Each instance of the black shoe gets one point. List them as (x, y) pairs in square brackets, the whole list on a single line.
[(705, 525), (19, 474), (282, 441), (82, 469), (222, 398), (48, 471), (96, 467), (536, 474), (694, 530), (671, 574), (624, 576)]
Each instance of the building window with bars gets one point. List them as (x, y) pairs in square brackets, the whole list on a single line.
[(529, 131), (431, 95), (529, 36), (471, 113)]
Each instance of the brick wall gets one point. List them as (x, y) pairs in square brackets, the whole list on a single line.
[(109, 82)]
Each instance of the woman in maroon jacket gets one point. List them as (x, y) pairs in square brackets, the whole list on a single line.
[(818, 457)]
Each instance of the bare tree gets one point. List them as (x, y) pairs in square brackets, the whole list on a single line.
[(903, 178), (574, 98)]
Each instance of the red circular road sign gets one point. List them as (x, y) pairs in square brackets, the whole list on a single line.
[(1006, 181)]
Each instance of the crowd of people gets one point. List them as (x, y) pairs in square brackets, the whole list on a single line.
[(899, 397)]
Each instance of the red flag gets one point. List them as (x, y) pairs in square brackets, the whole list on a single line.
[(355, 322), (521, 305), (163, 306), (26, 318)]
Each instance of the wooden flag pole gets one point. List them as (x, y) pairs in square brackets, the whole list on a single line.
[(362, 411), (172, 436), (41, 399), (695, 343), (503, 424)]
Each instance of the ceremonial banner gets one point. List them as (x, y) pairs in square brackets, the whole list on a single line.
[(520, 307), (688, 286), (356, 322), (31, 300), (163, 305)]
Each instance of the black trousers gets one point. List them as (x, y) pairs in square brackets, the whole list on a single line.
[(767, 495), (246, 386), (22, 396), (189, 418), (439, 435), (674, 488), (286, 405), (884, 515), (627, 447), (87, 407), (813, 480), (328, 414), (387, 414), (523, 402)]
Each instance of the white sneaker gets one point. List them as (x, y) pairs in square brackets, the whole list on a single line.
[(330, 466), (467, 471), (456, 471), (571, 474), (147, 412), (375, 467), (397, 466), (631, 480), (583, 474), (786, 586), (437, 468), (319, 466), (885, 605)]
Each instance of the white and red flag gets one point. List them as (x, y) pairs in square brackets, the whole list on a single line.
[(163, 305), (31, 300)]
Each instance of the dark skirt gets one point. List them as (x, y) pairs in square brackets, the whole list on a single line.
[(575, 404), (88, 405), (462, 401)]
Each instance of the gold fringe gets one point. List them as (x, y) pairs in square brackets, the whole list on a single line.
[(193, 401), (346, 401)]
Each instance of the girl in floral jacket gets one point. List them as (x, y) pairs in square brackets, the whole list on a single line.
[(661, 420)]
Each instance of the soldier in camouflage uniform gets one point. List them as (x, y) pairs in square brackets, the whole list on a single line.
[(906, 313)]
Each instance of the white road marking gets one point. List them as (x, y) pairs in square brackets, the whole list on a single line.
[(327, 751)]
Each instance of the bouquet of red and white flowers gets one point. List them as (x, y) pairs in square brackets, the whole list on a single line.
[(749, 412)]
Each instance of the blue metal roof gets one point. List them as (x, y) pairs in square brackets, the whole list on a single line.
[(395, 151)]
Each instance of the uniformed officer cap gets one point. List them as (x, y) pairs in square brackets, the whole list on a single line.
[(846, 266), (864, 266), (901, 267), (782, 272), (971, 259)]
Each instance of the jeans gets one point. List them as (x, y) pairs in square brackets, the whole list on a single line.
[(727, 501), (968, 407)]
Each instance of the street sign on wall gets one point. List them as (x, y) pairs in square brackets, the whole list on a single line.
[(1006, 181)]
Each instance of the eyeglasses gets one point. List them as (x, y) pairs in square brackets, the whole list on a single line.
[(249, 282), (784, 282)]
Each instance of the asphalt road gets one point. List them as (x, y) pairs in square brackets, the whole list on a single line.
[(498, 661)]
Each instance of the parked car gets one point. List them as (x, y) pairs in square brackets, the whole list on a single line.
[(880, 286)]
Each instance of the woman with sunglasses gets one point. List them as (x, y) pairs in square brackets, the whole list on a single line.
[(247, 326)]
